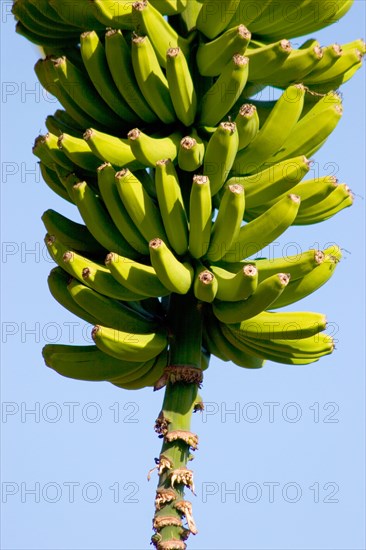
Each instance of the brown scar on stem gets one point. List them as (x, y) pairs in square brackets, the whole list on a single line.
[(163, 497), (161, 424), (189, 438), (159, 522), (185, 507), (184, 476)]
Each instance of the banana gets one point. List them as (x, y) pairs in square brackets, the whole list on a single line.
[(171, 206), (40, 39), (337, 81), (46, 74), (302, 140), (205, 285), (161, 34), (341, 197), (98, 220), (45, 148), (233, 287), (225, 348), (224, 93), (297, 290), (111, 313), (79, 87), (297, 266), (129, 346), (36, 22), (331, 54), (267, 59), (137, 277), (78, 152), (212, 57), (90, 364), (249, 11), (139, 205), (57, 281), (96, 65), (263, 230), (247, 123), (181, 88), (113, 13), (68, 180), (306, 347), (226, 227), (151, 79), (342, 64), (200, 216), (148, 378), (80, 13), (119, 61), (173, 274), (72, 234), (220, 155), (169, 7), (94, 275), (55, 125), (191, 152), (296, 67), (148, 150), (53, 182), (111, 149), (287, 325), (215, 16), (274, 132), (264, 295), (273, 182), (117, 210)]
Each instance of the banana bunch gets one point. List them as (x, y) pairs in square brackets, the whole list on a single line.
[(181, 179)]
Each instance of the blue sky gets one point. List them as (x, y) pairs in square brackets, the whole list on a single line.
[(281, 458)]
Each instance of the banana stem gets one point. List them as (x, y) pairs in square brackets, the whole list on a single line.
[(173, 424)]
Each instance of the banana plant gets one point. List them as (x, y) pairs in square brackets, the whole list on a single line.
[(182, 177)]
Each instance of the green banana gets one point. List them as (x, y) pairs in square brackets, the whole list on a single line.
[(94, 275), (215, 16), (51, 178), (212, 57), (139, 205), (78, 86), (95, 62), (111, 313), (213, 330), (302, 141), (181, 88), (56, 125), (266, 293), (78, 152), (41, 150), (248, 11), (119, 61), (80, 13), (46, 149), (273, 182), (297, 265), (287, 325), (137, 277), (148, 150), (117, 210), (205, 285), (247, 124), (297, 290), (111, 149), (173, 274), (225, 229), (344, 62), (161, 34), (171, 206), (169, 7), (129, 346), (36, 22), (57, 281), (341, 197), (98, 220), (200, 216), (296, 67), (150, 377), (260, 232), (331, 54), (191, 152), (233, 287), (72, 234), (274, 132), (91, 364), (151, 79), (267, 59), (313, 347), (224, 93), (220, 155)]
